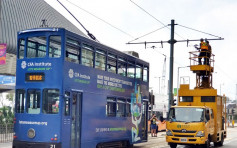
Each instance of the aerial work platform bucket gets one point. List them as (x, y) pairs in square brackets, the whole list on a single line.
[(204, 70)]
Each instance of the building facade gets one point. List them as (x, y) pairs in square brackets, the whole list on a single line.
[(17, 15)]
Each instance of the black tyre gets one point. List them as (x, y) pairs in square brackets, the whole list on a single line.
[(173, 145), (222, 141), (208, 143)]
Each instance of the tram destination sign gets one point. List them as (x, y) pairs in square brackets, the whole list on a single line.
[(34, 77)]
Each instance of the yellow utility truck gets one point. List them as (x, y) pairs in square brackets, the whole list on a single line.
[(200, 116)]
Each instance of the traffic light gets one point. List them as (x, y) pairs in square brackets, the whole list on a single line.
[(233, 111), (151, 99), (173, 103)]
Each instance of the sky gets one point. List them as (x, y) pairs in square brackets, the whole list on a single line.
[(116, 22)]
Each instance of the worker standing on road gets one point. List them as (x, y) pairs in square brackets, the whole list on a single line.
[(208, 52), (203, 52), (153, 126)]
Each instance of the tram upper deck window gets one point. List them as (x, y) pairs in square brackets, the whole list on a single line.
[(87, 56), (72, 51), (55, 46), (100, 59), (145, 74), (139, 71), (21, 48), (111, 107), (122, 67), (111, 65), (33, 101), (20, 101), (131, 69), (50, 101), (36, 47)]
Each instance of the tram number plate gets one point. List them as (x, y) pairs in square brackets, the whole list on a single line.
[(184, 140)]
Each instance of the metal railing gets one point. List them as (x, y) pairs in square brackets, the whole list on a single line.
[(6, 132), (194, 56)]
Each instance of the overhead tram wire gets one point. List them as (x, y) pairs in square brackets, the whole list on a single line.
[(155, 18), (199, 31), (88, 33), (147, 34), (101, 20), (148, 13)]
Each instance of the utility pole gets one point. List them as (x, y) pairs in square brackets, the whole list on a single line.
[(172, 41)]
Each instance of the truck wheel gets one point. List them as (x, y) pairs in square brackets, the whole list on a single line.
[(173, 145), (207, 145), (222, 141)]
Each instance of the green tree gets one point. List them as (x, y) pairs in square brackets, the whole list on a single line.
[(6, 115), (10, 97)]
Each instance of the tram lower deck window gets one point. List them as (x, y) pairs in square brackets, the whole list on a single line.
[(121, 107), (20, 100), (111, 107), (33, 101), (51, 101), (118, 107)]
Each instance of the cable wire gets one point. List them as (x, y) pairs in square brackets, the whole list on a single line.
[(101, 19), (147, 34), (148, 13), (199, 31), (155, 18)]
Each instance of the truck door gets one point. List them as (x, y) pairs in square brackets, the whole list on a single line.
[(212, 122), (207, 119)]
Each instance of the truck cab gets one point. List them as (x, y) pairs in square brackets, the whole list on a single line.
[(189, 125)]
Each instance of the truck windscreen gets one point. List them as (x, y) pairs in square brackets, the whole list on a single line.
[(186, 114)]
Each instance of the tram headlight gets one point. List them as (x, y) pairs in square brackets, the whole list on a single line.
[(169, 133), (31, 133), (200, 134)]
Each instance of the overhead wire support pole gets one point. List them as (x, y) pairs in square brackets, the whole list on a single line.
[(172, 41)]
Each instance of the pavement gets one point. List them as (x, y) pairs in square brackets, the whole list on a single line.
[(6, 145), (153, 142)]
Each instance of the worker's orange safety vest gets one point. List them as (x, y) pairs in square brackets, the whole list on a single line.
[(204, 46)]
